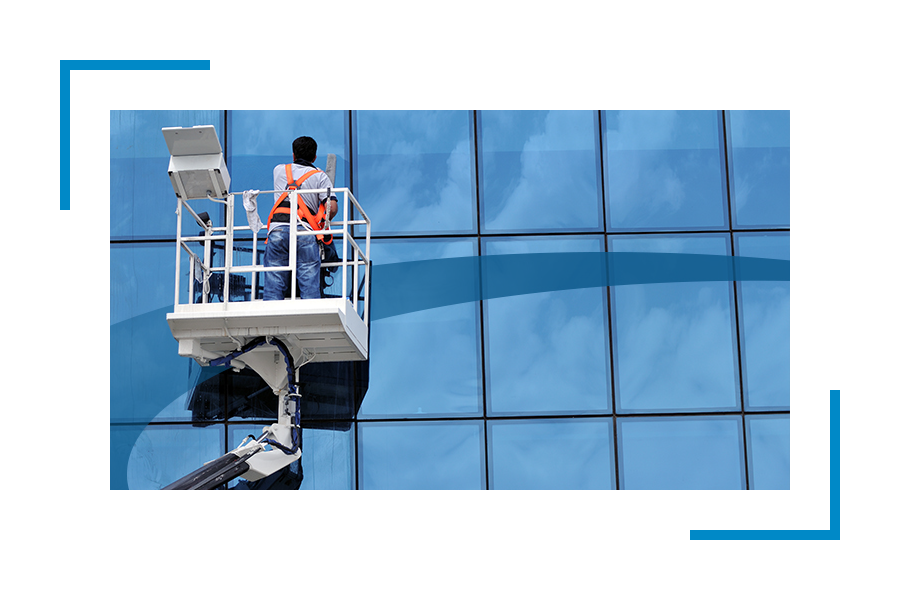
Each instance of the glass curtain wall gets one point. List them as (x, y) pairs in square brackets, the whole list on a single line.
[(646, 386)]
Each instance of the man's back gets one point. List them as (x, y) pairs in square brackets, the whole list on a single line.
[(315, 181)]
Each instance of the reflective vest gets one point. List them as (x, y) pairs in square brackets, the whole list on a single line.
[(283, 205)]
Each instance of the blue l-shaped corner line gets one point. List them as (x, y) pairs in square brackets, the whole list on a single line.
[(833, 533), (65, 68)]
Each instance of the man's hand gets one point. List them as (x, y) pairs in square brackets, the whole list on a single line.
[(331, 207)]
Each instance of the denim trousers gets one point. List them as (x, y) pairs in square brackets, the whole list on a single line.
[(278, 283)]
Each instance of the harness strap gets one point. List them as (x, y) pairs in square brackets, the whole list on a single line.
[(291, 185), (317, 221)]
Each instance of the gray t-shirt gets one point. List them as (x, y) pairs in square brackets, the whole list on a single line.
[(313, 182)]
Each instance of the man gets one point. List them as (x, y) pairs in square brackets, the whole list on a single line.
[(277, 283)]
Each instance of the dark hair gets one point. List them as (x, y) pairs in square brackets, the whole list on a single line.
[(305, 148)]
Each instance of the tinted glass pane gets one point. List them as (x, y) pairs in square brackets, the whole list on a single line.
[(426, 363), (760, 145), (547, 353), (414, 170), (148, 380), (664, 170), (681, 453), (765, 326), (540, 170), (142, 202), (327, 457), (259, 140), (158, 455), (769, 449), (557, 454), (422, 456), (674, 343)]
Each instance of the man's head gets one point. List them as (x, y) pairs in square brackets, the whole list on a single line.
[(305, 148)]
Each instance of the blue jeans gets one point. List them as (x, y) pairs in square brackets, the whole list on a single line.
[(278, 283)]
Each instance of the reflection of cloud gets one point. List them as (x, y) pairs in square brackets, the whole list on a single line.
[(766, 334), (271, 132), (427, 360), (643, 130), (418, 177), (662, 164), (677, 352), (755, 166), (414, 195), (548, 352), (421, 456), (555, 184), (425, 363), (637, 176)]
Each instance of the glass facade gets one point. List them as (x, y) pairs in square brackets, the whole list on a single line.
[(648, 386)]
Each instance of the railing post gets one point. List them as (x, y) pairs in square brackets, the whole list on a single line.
[(207, 262), (229, 248), (292, 253), (178, 251), (345, 229)]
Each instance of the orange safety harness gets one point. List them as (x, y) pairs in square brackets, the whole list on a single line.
[(283, 205)]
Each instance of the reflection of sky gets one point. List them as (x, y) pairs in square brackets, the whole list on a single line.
[(139, 161), (565, 454), (675, 345), (664, 170), (769, 448), (761, 166), (424, 363), (414, 170), (557, 337), (260, 140), (680, 454), (765, 325), (540, 170), (423, 455)]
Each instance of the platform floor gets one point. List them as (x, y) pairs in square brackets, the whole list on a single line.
[(327, 328)]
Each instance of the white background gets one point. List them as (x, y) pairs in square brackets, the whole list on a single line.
[(65, 532)]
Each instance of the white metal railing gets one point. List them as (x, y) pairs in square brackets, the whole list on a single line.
[(343, 230)]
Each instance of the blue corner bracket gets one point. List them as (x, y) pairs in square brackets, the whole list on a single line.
[(65, 68), (833, 533)]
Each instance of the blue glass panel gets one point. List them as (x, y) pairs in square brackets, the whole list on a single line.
[(769, 451), (148, 380), (765, 326), (547, 353), (158, 455), (426, 363), (142, 202), (422, 456), (678, 453), (551, 454), (414, 170), (327, 457), (674, 343), (259, 140), (760, 156), (540, 170), (664, 170)]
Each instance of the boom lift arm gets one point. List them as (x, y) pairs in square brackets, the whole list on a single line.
[(250, 459)]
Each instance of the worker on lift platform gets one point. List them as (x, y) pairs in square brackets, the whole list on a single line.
[(333, 334), (311, 212)]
